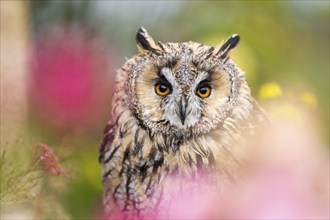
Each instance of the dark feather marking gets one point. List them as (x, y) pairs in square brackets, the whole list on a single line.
[(143, 176), (118, 117), (108, 173), (170, 63), (225, 60), (118, 98), (208, 56), (160, 44), (230, 43), (107, 128), (137, 148), (140, 122), (124, 70), (124, 128), (122, 133), (136, 136), (162, 147), (152, 155), (143, 167), (157, 163), (231, 84), (141, 39), (141, 125), (166, 144), (108, 138), (101, 156), (175, 143), (195, 62), (128, 181), (210, 50), (115, 108), (102, 149), (115, 191), (210, 53), (112, 154), (126, 153), (122, 170), (137, 143)]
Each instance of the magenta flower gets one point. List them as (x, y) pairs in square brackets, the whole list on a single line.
[(68, 78)]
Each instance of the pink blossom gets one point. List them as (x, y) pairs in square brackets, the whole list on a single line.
[(69, 82), (286, 176), (48, 159)]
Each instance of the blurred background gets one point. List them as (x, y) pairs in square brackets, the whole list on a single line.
[(58, 66)]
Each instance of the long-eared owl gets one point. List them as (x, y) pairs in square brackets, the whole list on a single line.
[(179, 110)]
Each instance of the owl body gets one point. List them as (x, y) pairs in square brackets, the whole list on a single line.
[(179, 111)]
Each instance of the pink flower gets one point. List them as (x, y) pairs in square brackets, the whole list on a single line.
[(48, 160), (286, 176), (69, 84)]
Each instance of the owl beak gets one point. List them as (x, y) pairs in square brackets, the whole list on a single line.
[(183, 111)]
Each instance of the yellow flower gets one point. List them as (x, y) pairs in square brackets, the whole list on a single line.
[(270, 90), (309, 99)]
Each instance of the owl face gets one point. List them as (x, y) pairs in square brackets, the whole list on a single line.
[(180, 88)]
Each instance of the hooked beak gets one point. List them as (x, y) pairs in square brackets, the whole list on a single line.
[(183, 111)]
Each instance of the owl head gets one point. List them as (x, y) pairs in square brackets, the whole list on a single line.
[(182, 89)]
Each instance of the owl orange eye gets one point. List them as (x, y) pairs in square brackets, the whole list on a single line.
[(204, 91), (162, 89)]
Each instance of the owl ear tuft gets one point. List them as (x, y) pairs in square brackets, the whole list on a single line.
[(228, 45), (145, 42)]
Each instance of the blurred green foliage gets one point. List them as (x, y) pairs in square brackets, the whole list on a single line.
[(282, 41)]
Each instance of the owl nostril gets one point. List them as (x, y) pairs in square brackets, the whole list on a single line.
[(183, 112)]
